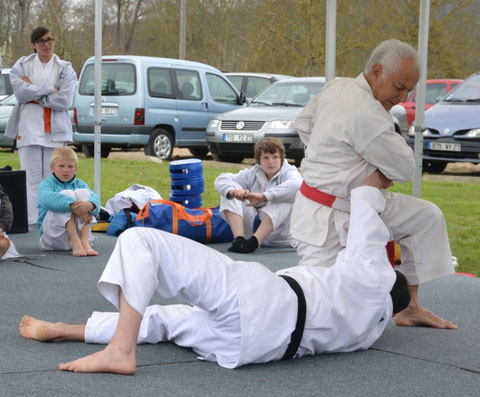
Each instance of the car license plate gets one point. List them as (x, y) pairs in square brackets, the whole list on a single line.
[(109, 111), (450, 147), (237, 138)]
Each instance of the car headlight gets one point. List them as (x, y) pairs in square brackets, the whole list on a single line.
[(213, 123), (411, 131), (281, 124), (474, 133)]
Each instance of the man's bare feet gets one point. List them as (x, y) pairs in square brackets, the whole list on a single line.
[(77, 248), (111, 359), (416, 315), (88, 248), (40, 330)]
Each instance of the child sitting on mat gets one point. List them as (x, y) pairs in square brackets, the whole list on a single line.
[(267, 189), (66, 207)]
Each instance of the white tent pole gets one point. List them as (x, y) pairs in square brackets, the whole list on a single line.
[(98, 95), (330, 39), (420, 96)]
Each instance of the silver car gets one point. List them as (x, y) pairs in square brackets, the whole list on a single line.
[(231, 136), (6, 107)]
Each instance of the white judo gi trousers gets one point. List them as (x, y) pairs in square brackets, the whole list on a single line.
[(279, 213), (54, 233), (35, 160), (224, 325), (418, 226)]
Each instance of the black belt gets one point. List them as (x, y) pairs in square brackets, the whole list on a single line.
[(301, 315)]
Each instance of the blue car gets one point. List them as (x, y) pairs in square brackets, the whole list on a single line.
[(452, 131)]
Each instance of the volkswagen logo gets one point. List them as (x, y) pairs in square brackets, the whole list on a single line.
[(446, 131), (240, 125)]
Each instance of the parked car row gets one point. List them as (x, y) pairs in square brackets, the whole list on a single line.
[(160, 103)]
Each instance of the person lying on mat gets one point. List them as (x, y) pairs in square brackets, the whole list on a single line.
[(242, 312), (268, 190)]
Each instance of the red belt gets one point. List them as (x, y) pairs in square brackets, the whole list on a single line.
[(340, 204), (47, 117)]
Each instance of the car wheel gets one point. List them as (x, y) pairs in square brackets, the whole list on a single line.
[(89, 151), (433, 166), (231, 158), (160, 144), (199, 151)]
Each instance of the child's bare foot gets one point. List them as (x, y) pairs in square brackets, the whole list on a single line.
[(88, 248), (40, 330), (77, 248), (111, 359)]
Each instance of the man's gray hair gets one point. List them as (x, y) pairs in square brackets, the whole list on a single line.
[(389, 53)]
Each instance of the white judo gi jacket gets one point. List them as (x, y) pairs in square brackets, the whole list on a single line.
[(244, 313), (349, 135), (280, 192)]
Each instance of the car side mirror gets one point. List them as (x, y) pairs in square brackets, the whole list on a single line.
[(241, 99), (439, 99)]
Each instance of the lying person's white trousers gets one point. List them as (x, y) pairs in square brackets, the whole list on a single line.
[(243, 313)]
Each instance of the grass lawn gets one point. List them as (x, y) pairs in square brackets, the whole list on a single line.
[(458, 201)]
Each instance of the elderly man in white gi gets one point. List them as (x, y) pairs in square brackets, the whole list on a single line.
[(44, 86), (242, 312), (349, 133)]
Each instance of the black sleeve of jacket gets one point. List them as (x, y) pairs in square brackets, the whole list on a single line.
[(6, 211)]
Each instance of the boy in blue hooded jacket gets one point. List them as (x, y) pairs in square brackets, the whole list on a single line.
[(66, 207)]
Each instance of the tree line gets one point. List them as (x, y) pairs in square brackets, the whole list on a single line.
[(275, 36)]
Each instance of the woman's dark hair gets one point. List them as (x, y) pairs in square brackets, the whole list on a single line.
[(38, 33)]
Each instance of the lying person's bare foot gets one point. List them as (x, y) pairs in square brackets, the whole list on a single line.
[(110, 359), (40, 330), (77, 249), (88, 249), (417, 315)]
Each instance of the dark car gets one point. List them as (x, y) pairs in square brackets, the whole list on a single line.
[(452, 128)]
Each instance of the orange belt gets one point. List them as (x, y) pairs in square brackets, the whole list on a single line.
[(340, 204), (47, 117)]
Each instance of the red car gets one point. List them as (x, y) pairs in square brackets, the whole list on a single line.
[(435, 88)]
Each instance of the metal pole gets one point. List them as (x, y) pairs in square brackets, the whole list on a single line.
[(98, 96), (183, 29), (330, 39), (420, 96)]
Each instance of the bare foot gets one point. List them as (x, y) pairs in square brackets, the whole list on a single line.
[(40, 330), (417, 315), (110, 359), (77, 249), (88, 249)]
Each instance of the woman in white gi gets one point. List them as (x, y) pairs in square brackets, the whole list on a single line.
[(44, 86), (266, 190), (243, 313)]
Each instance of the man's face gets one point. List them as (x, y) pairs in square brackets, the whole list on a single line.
[(270, 163), (45, 46), (395, 87), (64, 169)]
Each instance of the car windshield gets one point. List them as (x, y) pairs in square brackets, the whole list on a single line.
[(288, 94), (10, 100), (117, 79), (468, 91)]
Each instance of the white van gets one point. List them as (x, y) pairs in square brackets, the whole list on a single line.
[(155, 103), (5, 86)]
